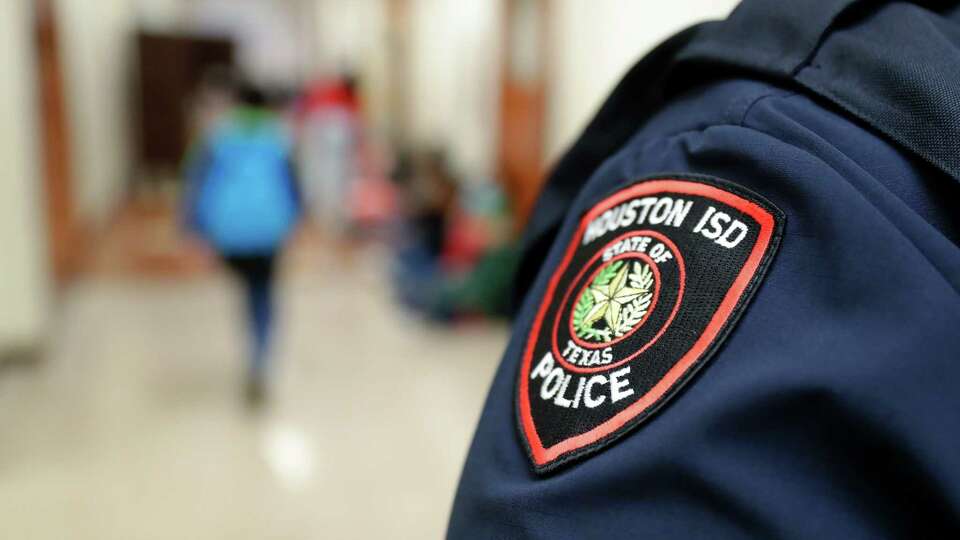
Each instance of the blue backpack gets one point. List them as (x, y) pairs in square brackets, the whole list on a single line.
[(246, 201)]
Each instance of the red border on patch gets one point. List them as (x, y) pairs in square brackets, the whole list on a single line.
[(542, 456)]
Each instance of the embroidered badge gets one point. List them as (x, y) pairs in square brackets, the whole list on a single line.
[(647, 289)]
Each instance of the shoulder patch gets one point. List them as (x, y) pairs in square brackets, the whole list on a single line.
[(651, 283)]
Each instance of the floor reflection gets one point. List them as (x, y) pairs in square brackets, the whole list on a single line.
[(133, 427)]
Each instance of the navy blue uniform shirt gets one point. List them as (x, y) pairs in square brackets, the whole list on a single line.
[(831, 408)]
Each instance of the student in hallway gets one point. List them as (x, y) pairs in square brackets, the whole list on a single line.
[(244, 202)]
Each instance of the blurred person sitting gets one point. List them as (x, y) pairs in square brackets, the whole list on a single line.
[(243, 200), (453, 260), (430, 195)]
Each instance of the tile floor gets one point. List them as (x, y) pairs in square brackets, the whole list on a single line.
[(132, 427)]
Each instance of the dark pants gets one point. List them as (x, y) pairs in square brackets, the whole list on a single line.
[(256, 273)]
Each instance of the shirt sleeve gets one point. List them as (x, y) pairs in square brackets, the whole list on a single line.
[(824, 412)]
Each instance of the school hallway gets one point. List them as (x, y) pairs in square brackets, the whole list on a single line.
[(132, 425)]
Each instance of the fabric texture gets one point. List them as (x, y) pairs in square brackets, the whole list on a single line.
[(829, 411)]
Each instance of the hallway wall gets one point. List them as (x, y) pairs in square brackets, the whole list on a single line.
[(592, 44), (452, 74), (23, 264), (454, 79), (96, 45)]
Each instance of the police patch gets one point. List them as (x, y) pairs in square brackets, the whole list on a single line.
[(651, 283)]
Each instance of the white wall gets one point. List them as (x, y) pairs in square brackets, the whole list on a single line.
[(269, 35), (23, 264), (454, 65), (96, 40), (592, 44), (346, 32), (454, 79), (354, 35), (451, 70)]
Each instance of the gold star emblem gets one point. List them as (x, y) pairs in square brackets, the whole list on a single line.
[(609, 299)]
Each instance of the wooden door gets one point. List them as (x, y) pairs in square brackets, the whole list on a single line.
[(523, 103), (64, 236)]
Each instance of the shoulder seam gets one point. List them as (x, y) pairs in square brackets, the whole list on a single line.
[(951, 281), (946, 277), (746, 111), (734, 119)]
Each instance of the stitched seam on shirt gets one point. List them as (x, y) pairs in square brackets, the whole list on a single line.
[(947, 278), (882, 213), (746, 111), (729, 114)]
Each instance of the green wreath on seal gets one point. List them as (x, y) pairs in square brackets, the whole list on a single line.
[(618, 298)]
